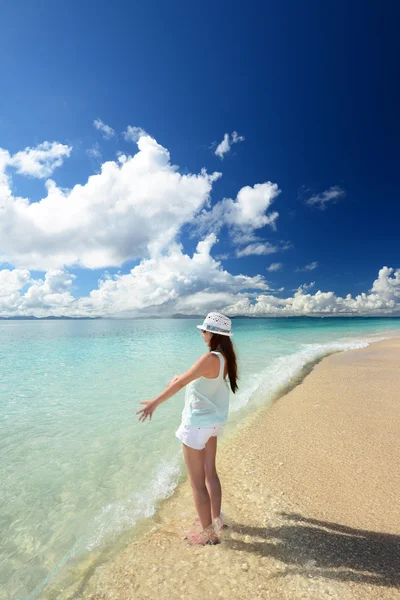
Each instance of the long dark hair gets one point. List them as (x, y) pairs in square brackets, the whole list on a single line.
[(224, 342)]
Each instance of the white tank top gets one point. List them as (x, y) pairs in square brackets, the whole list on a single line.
[(207, 400)]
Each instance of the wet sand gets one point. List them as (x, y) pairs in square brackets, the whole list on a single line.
[(311, 488)]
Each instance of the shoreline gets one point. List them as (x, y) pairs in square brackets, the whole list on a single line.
[(269, 505)]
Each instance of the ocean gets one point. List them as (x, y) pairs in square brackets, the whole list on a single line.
[(79, 474)]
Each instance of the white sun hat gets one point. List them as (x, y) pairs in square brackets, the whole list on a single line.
[(216, 323)]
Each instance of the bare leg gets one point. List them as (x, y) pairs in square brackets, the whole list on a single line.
[(212, 480), (195, 465)]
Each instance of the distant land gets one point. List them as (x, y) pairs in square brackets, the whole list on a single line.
[(198, 317), (49, 318)]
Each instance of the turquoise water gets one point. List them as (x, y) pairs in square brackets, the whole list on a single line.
[(77, 469)]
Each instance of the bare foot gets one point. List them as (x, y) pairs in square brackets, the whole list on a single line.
[(202, 538), (218, 523)]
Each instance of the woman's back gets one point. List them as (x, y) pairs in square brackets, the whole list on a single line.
[(207, 399)]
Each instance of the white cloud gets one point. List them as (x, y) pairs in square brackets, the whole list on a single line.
[(51, 293), (237, 138), (135, 208), (384, 299), (94, 151), (223, 147), (328, 196), (39, 161), (132, 209), (387, 287), (305, 286), (259, 249), (174, 282), (309, 267), (107, 131), (13, 280), (48, 297), (275, 267), (226, 144), (240, 238), (133, 134), (244, 214), (221, 256), (248, 211), (180, 283)]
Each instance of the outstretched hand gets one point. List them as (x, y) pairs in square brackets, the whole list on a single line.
[(151, 405), (147, 411)]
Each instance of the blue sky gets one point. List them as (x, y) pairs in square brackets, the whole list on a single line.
[(312, 87)]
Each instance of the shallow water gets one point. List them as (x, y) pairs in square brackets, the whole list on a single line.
[(77, 469)]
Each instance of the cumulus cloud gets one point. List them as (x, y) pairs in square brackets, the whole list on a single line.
[(174, 282), (309, 267), (133, 134), (51, 293), (11, 282), (179, 283), (324, 198), (44, 297), (39, 161), (135, 208), (383, 299), (226, 144), (248, 212), (275, 267), (132, 209), (387, 287), (107, 131)]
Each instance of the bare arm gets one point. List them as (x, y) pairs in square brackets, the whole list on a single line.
[(201, 368)]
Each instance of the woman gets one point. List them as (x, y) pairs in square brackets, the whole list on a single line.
[(206, 410)]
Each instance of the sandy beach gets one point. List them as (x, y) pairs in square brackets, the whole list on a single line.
[(311, 488)]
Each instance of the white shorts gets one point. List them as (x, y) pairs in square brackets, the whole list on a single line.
[(197, 437)]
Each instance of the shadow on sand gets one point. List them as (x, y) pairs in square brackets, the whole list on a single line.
[(324, 549)]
